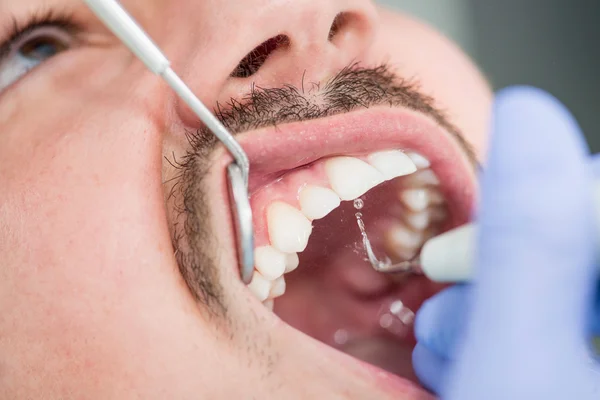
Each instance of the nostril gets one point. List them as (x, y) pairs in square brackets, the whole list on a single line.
[(341, 23), (347, 25), (338, 24), (257, 57)]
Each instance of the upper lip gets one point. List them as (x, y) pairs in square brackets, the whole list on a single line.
[(273, 151)]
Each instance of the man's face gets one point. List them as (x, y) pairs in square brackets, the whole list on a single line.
[(118, 271)]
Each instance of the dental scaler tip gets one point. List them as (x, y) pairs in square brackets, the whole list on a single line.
[(412, 266), (449, 257)]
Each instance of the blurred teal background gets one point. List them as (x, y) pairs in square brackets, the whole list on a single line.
[(552, 44)]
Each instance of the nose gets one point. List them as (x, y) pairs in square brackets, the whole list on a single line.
[(269, 43), (305, 39)]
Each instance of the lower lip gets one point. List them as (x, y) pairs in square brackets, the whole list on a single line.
[(386, 383), (387, 353), (401, 388)]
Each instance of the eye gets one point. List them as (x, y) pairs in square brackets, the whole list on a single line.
[(30, 50)]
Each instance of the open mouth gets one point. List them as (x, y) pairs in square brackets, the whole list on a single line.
[(312, 183)]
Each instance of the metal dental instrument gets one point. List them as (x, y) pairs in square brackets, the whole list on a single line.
[(133, 36), (386, 266)]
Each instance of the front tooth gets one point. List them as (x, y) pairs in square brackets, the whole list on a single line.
[(415, 199), (278, 288), (260, 286), (270, 262), (289, 229), (316, 202), (420, 161), (291, 262), (350, 177), (392, 163)]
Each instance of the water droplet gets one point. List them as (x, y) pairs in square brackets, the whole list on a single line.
[(361, 226), (340, 337), (371, 257), (359, 204)]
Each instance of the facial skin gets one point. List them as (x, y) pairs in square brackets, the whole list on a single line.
[(118, 272)]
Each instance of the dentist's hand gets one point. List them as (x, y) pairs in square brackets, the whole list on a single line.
[(522, 329)]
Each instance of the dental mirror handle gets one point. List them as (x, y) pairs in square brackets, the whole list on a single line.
[(448, 258), (114, 16), (130, 33), (133, 36)]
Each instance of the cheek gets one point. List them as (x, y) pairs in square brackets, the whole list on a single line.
[(460, 92), (444, 72), (83, 237)]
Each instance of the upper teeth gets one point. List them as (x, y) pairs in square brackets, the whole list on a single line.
[(289, 227), (415, 199), (291, 262), (350, 177), (420, 161), (278, 287), (392, 163), (316, 202), (270, 262), (260, 286), (418, 220)]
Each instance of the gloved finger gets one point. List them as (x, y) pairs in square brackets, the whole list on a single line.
[(441, 321), (429, 368), (535, 268), (596, 165), (595, 324)]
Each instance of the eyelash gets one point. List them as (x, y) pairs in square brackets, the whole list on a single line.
[(35, 21)]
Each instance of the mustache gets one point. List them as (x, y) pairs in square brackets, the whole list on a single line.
[(352, 88)]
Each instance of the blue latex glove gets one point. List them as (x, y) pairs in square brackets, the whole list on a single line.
[(521, 330)]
